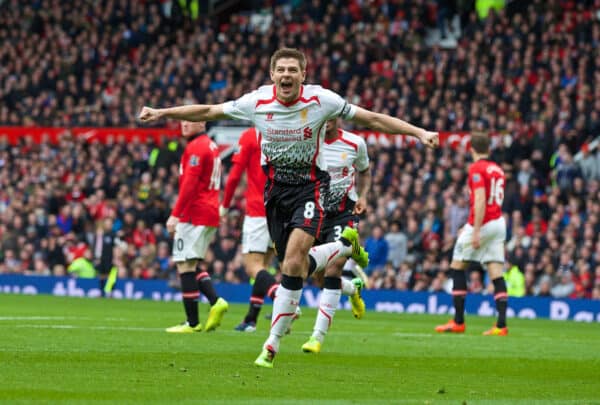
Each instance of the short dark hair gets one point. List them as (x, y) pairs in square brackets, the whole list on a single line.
[(480, 142), (289, 53)]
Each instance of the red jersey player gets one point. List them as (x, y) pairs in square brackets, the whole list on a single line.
[(482, 238), (256, 242), (194, 221)]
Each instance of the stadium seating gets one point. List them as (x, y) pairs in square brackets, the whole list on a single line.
[(529, 74)]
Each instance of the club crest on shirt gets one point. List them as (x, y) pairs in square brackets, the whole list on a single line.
[(344, 156), (476, 177), (304, 115), (194, 160)]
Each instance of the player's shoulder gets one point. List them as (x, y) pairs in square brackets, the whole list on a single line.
[(356, 139), (489, 165), (317, 90), (262, 93), (201, 143), (477, 166), (267, 89)]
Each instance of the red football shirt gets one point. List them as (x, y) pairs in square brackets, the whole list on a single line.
[(489, 175), (199, 183), (247, 158)]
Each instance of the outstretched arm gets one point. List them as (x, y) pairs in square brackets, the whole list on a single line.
[(193, 113), (391, 125)]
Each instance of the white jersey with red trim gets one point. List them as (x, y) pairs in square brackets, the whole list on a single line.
[(345, 155), (291, 133)]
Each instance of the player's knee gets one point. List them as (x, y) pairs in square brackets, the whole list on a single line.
[(253, 264), (336, 268), (495, 270), (295, 265), (186, 266)]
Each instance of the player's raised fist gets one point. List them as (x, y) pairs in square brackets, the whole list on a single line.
[(149, 114), (430, 139)]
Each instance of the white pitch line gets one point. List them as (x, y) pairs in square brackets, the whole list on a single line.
[(38, 318), (90, 327)]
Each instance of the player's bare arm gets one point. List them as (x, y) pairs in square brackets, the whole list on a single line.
[(392, 125), (363, 184), (479, 207), (193, 113)]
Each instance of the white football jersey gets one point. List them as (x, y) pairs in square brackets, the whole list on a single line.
[(291, 133), (345, 155)]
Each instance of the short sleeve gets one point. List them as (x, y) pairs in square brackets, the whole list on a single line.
[(335, 106), (243, 108), (476, 178), (362, 158)]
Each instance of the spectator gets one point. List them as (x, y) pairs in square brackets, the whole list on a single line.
[(82, 267), (543, 109), (544, 286), (589, 164), (565, 286), (378, 249), (397, 244), (515, 281)]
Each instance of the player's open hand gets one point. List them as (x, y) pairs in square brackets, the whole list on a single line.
[(149, 114), (430, 139)]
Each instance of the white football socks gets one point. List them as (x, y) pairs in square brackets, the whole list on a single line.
[(348, 287), (330, 300), (284, 309), (328, 252)]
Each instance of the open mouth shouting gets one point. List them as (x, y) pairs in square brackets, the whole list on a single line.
[(287, 86)]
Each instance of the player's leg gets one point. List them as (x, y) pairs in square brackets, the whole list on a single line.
[(218, 306), (189, 291), (256, 244), (493, 256), (463, 251), (294, 270), (500, 297), (328, 304), (102, 279), (205, 285), (294, 218), (347, 245), (186, 258), (354, 271), (459, 293), (253, 263)]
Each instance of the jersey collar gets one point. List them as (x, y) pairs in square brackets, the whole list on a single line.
[(330, 141), (290, 103)]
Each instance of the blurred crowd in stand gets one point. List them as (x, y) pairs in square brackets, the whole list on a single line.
[(529, 74)]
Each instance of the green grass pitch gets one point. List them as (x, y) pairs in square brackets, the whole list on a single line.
[(92, 350)]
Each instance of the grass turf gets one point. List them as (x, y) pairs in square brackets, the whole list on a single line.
[(82, 350)]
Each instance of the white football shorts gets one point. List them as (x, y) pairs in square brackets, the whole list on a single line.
[(191, 241), (255, 235), (491, 249)]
